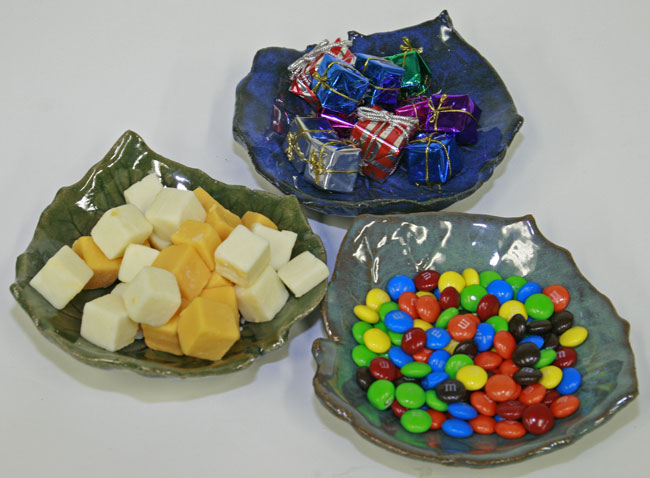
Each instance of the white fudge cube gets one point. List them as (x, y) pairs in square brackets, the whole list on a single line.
[(152, 297), (118, 227), (158, 242), (303, 273), (135, 258), (171, 208), (242, 256), (106, 323), (263, 299), (62, 277), (119, 289), (142, 193), (280, 242)]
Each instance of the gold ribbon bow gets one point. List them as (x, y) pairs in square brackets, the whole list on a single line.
[(436, 110), (315, 162), (292, 142), (407, 46)]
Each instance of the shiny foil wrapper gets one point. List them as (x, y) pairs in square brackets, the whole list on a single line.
[(454, 114), (333, 165), (338, 85), (415, 107), (340, 122), (380, 140), (298, 142), (432, 159), (417, 75), (385, 79), (302, 69)]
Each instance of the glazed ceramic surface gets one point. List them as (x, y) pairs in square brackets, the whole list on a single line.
[(457, 68), (379, 247), (76, 209)]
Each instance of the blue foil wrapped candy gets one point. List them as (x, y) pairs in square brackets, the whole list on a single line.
[(432, 159), (338, 85), (385, 79), (333, 165), (298, 142)]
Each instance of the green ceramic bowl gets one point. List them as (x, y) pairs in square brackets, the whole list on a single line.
[(77, 208), (379, 247)]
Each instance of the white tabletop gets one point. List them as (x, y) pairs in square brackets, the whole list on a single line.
[(74, 75)]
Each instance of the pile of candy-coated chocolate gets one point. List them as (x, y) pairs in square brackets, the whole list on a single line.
[(469, 353)]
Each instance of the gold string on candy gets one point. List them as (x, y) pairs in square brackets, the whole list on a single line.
[(316, 161), (436, 110), (430, 140), (292, 142), (322, 79), (408, 47)]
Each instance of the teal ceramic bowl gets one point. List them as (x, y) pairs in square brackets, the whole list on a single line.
[(76, 209), (379, 247)]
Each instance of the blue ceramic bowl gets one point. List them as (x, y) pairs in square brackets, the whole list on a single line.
[(457, 68), (379, 247)]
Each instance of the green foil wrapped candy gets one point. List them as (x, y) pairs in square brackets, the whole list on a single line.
[(417, 75)]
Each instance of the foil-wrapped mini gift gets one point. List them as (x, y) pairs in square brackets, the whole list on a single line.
[(432, 159), (338, 85), (453, 114), (333, 165), (298, 142), (340, 122), (385, 79), (415, 107), (302, 69), (380, 135), (417, 75)]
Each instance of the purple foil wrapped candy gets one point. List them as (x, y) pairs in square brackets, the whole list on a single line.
[(340, 122), (416, 107), (453, 114)]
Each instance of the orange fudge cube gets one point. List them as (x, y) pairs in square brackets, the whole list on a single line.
[(184, 262), (250, 217), (206, 200), (165, 337), (105, 270), (217, 280), (201, 236), (222, 220), (225, 295), (207, 329)]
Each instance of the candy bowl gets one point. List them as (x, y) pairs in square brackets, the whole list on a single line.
[(76, 209), (457, 68), (377, 248)]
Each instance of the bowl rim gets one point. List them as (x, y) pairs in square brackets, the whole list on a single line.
[(342, 409)]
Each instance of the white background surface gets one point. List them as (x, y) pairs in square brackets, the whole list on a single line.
[(74, 75)]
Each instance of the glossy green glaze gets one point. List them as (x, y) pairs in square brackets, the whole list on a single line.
[(379, 247), (77, 208)]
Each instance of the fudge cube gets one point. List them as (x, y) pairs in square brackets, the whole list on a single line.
[(280, 242), (152, 297), (217, 280), (207, 329), (170, 209), (165, 337), (251, 217), (225, 295), (136, 256), (62, 277), (206, 200), (223, 220), (201, 236), (118, 227), (303, 273), (142, 193), (187, 266), (105, 323), (104, 269), (263, 299), (242, 257), (158, 242)]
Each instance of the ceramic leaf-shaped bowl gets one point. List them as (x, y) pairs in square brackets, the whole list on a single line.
[(457, 68), (76, 209), (378, 247)]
